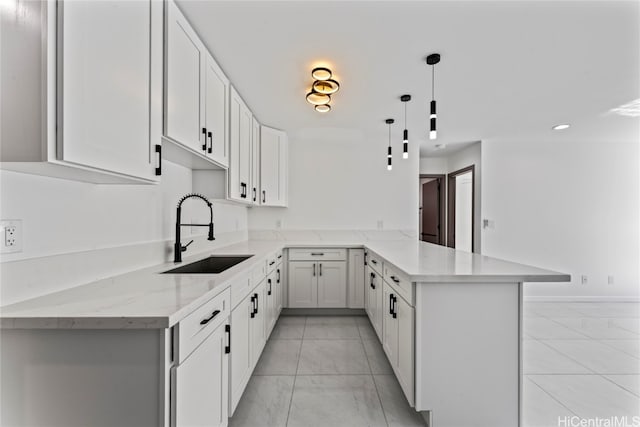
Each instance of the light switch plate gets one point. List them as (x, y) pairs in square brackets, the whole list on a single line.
[(11, 239)]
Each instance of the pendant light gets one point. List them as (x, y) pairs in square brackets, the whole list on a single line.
[(389, 122), (405, 133), (432, 60)]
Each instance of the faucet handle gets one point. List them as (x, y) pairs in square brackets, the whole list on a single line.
[(184, 248)]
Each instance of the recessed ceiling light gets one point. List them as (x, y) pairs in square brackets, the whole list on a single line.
[(561, 127)]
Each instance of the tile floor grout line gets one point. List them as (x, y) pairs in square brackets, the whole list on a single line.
[(552, 396), (375, 385), (635, 356), (295, 377), (567, 356), (618, 385)]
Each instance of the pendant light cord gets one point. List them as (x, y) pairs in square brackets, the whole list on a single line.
[(405, 115), (389, 134), (433, 77)]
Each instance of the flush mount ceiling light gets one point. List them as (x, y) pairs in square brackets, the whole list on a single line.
[(326, 86), (321, 89), (389, 122), (316, 98), (405, 133), (561, 127), (321, 73), (432, 60)]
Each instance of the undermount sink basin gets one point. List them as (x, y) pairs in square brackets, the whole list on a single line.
[(211, 265)]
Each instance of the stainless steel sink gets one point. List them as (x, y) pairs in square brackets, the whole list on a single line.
[(211, 265)]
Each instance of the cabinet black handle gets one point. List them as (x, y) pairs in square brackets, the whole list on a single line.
[(253, 306), (314, 269), (271, 263), (278, 276), (269, 282), (374, 262), (210, 135), (395, 279), (254, 194), (227, 329), (373, 276), (208, 319), (279, 256), (320, 269), (395, 313), (365, 258), (264, 196), (390, 303), (243, 190), (256, 295), (204, 132), (159, 167), (317, 253)]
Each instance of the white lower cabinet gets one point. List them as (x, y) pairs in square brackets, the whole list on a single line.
[(317, 284), (279, 289), (356, 281), (247, 342), (303, 286), (271, 303), (374, 300), (332, 284), (200, 384), (398, 338)]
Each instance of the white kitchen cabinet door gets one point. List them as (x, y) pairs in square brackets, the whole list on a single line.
[(200, 384), (258, 323), (374, 302), (405, 354), (273, 167), (241, 364), (104, 115), (303, 284), (389, 325), (240, 149), (185, 56), (216, 112), (256, 198), (279, 289), (356, 279), (332, 284), (270, 304)]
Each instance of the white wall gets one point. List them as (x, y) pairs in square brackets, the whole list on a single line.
[(567, 204), (338, 180), (61, 218), (456, 161)]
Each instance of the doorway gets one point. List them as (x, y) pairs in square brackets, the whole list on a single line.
[(460, 210), (432, 209)]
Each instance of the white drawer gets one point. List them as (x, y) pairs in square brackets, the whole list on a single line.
[(375, 262), (240, 288), (196, 327), (258, 273), (400, 282), (318, 254)]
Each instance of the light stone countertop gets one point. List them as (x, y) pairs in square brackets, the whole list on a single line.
[(147, 299)]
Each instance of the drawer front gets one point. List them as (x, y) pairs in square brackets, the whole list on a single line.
[(400, 282), (196, 327), (240, 288), (318, 254), (375, 262), (258, 273)]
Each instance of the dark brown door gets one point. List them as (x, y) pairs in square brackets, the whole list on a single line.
[(431, 212)]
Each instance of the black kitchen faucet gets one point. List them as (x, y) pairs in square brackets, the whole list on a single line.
[(178, 248)]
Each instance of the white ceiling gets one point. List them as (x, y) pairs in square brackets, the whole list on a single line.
[(509, 68)]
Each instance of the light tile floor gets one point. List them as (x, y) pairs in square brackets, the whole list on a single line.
[(580, 359)]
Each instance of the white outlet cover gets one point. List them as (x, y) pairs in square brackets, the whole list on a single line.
[(17, 246)]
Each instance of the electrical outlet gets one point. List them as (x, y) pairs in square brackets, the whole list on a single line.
[(584, 279), (610, 280), (12, 236)]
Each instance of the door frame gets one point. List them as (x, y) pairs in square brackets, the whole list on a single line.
[(443, 204), (451, 206)]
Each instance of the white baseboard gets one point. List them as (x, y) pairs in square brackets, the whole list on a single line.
[(575, 298)]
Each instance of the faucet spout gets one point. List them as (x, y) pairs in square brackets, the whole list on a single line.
[(178, 248)]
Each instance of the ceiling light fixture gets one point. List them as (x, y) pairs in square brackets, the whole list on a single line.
[(432, 60), (321, 89), (321, 73), (405, 133), (561, 127), (389, 122)]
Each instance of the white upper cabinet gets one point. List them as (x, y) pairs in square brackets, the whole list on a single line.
[(255, 162), (97, 90), (240, 132), (273, 167), (196, 97)]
